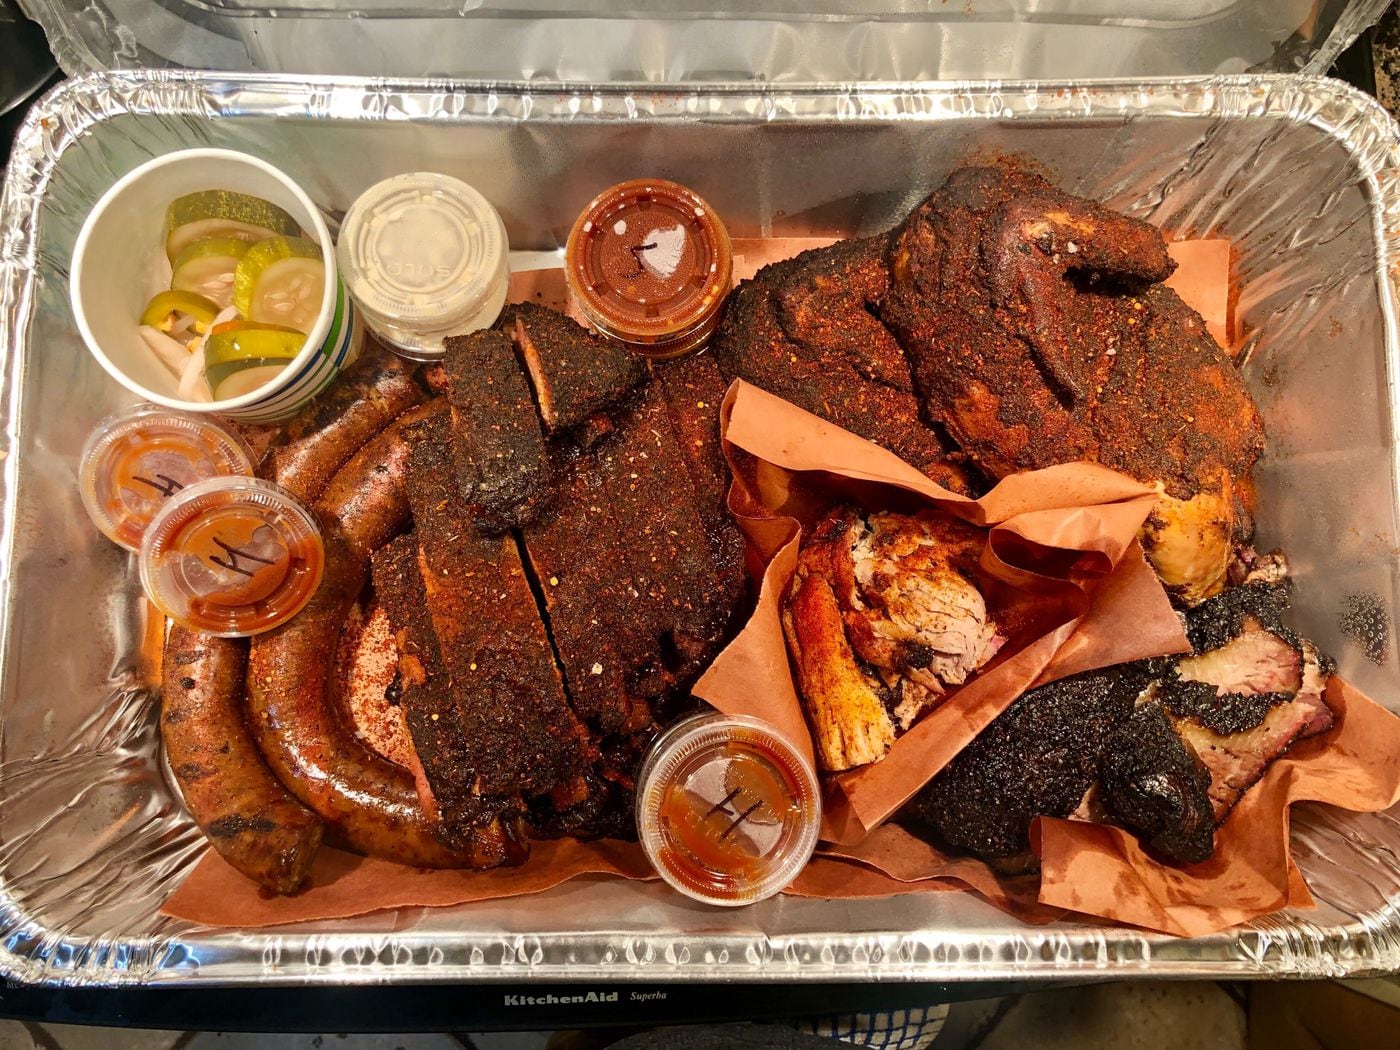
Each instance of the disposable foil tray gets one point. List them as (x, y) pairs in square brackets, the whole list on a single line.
[(1300, 173)]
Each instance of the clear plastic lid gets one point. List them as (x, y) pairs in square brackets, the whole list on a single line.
[(649, 263), (727, 811), (134, 462), (424, 256), (232, 557)]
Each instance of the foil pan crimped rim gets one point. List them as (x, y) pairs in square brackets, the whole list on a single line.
[(166, 952)]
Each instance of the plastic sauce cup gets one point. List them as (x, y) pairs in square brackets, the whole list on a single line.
[(135, 461), (649, 264), (122, 243), (727, 811), (232, 557), (425, 257)]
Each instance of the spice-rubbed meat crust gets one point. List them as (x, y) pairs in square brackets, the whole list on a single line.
[(693, 389), (1172, 744), (574, 372), (521, 734), (1038, 334), (1038, 758), (803, 329), (501, 464), (487, 829)]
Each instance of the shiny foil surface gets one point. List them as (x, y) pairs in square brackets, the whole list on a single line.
[(1300, 173)]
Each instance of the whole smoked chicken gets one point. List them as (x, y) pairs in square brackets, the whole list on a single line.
[(1038, 332)]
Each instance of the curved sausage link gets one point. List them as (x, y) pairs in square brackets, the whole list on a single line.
[(367, 496), (245, 813), (368, 397), (372, 803)]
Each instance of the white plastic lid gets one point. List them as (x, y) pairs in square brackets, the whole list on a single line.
[(424, 256)]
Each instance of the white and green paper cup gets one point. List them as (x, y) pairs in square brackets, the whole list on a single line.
[(116, 268)]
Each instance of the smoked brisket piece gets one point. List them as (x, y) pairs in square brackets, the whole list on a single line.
[(1038, 758), (574, 372), (522, 735), (498, 453), (1152, 782), (1172, 743)]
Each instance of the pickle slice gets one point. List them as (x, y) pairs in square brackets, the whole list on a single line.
[(241, 347), (161, 311), (248, 380), (222, 213), (208, 268), (281, 281)]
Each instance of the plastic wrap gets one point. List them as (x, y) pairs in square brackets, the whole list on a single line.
[(777, 41), (1300, 173)]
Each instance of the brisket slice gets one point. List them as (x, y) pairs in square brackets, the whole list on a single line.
[(488, 829), (498, 454), (1172, 743), (574, 372), (522, 735)]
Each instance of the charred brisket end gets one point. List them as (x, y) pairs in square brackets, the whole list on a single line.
[(574, 372), (434, 721), (1038, 757), (522, 735), (1153, 783), (498, 453)]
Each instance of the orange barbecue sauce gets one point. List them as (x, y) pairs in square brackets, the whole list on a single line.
[(727, 844)]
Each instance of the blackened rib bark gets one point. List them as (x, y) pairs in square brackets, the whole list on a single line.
[(577, 557), (694, 389), (523, 737), (574, 372), (435, 722), (680, 602), (501, 463)]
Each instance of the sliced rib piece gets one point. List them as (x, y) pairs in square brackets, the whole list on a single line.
[(574, 372), (577, 556), (522, 736), (501, 463), (693, 389), (681, 602)]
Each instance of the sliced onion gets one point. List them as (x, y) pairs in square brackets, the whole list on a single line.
[(192, 385), (169, 352)]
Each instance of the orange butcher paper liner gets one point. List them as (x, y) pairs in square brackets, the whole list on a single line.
[(1108, 608)]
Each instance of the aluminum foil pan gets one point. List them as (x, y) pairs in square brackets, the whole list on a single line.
[(1300, 173)]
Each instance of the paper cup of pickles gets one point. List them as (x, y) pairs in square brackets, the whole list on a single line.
[(205, 280)]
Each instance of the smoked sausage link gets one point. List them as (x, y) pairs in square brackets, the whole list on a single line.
[(245, 813)]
